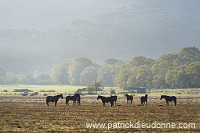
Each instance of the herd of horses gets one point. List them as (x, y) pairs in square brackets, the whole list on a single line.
[(112, 99)]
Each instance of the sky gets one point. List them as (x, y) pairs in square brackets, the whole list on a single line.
[(47, 13), (148, 28)]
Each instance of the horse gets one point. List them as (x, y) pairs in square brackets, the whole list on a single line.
[(74, 98), (114, 99), (168, 99), (106, 100), (144, 99), (129, 97), (53, 99)]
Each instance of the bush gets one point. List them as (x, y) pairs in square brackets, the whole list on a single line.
[(22, 90), (112, 92)]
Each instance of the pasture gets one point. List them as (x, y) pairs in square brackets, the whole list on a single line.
[(31, 114)]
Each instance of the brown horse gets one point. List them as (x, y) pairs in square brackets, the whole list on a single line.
[(168, 99), (74, 98), (114, 99), (144, 100), (106, 100), (129, 97), (53, 99)]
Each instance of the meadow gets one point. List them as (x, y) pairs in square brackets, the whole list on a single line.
[(37, 88), (31, 114)]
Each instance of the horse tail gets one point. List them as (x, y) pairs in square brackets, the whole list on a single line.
[(175, 101), (47, 101)]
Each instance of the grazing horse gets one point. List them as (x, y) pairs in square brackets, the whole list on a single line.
[(106, 99), (114, 99), (168, 99), (144, 99), (129, 97), (53, 99), (74, 98)]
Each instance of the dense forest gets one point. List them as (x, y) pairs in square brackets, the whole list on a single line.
[(174, 70)]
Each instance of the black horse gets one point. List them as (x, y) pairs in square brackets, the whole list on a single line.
[(114, 99), (106, 99), (168, 99), (53, 99), (129, 97), (74, 98), (144, 99)]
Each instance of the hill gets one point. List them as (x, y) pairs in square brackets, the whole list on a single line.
[(129, 28)]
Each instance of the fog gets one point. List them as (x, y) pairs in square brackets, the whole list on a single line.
[(47, 13), (39, 34)]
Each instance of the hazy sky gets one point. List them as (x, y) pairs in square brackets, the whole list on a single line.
[(47, 13), (135, 27)]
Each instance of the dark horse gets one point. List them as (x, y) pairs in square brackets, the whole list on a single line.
[(169, 99), (74, 98), (106, 100), (114, 99), (53, 99), (144, 99), (129, 97)]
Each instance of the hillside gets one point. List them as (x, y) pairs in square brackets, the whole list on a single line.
[(128, 29)]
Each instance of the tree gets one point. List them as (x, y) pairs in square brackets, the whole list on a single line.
[(141, 60), (106, 74), (59, 74), (95, 86), (160, 68), (76, 68), (122, 75), (41, 77), (136, 73), (112, 61), (190, 54), (88, 75), (10, 78)]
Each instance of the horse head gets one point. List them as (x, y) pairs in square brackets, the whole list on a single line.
[(61, 96), (126, 95), (162, 96), (98, 97)]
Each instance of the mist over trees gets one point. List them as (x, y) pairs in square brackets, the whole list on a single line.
[(38, 41), (174, 70), (109, 29)]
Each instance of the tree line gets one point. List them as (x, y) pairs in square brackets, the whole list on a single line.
[(174, 70)]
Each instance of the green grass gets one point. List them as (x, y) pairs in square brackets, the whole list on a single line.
[(70, 89), (57, 88)]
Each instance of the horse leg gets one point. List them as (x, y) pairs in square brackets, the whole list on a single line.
[(146, 103), (131, 101), (78, 102), (67, 101), (111, 103), (167, 103), (175, 102), (55, 103)]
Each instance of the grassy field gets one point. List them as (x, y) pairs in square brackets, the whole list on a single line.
[(69, 89), (30, 114), (37, 88)]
